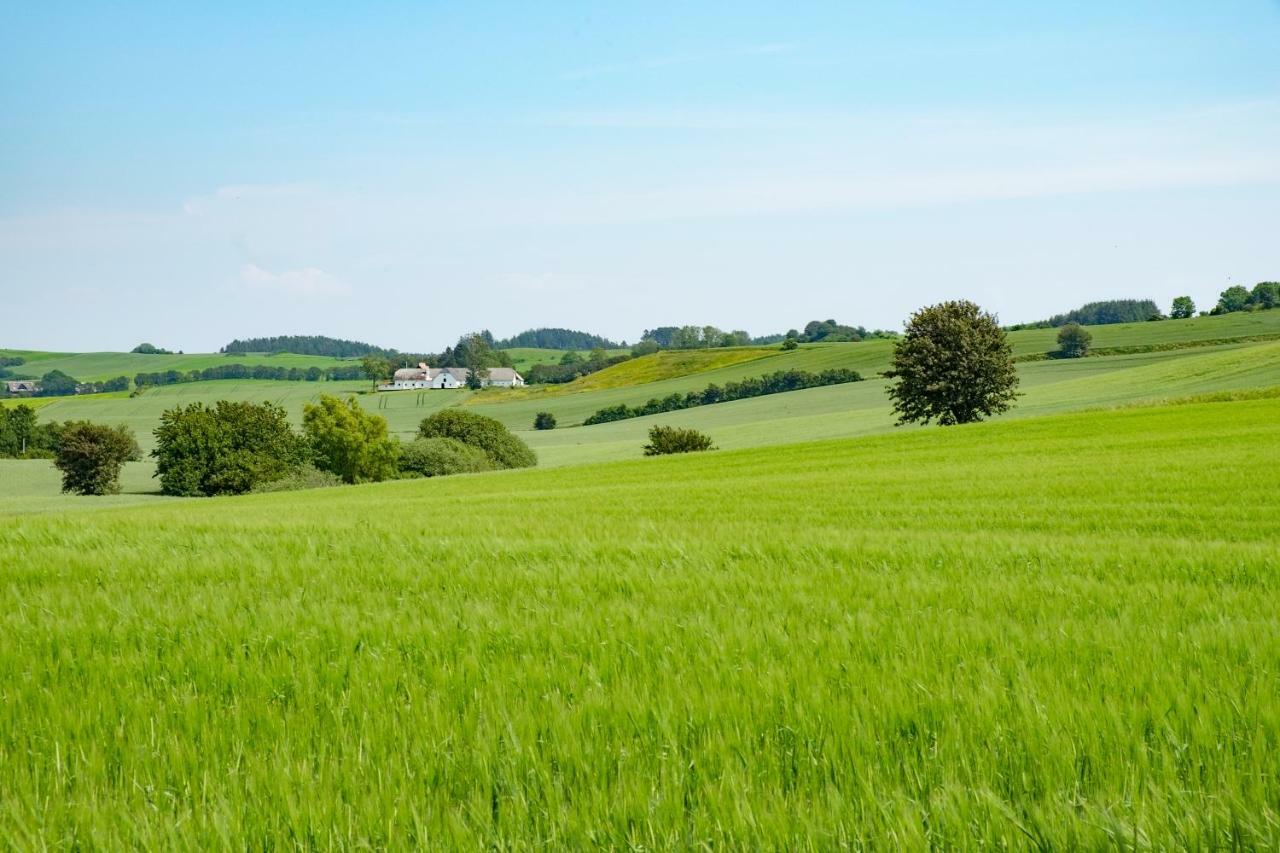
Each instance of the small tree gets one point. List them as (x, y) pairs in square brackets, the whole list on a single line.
[(954, 365), (1182, 309), (790, 344), (1074, 340), (664, 440), (503, 448), (90, 457), (347, 441), (376, 368), (544, 420)]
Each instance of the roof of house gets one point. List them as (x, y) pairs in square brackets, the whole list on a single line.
[(504, 374)]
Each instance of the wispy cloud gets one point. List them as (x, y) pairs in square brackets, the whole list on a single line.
[(308, 283), (656, 62)]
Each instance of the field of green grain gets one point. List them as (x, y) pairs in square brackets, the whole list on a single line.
[(1055, 632)]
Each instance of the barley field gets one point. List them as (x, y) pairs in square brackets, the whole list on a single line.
[(1057, 632)]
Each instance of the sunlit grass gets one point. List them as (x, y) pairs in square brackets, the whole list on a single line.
[(1059, 632)]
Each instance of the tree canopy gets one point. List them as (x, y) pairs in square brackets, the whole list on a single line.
[(346, 440), (90, 457), (555, 339), (954, 365), (307, 345), (503, 448), (1182, 308), (1074, 340), (226, 448)]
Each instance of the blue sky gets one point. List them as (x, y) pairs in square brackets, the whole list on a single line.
[(402, 173)]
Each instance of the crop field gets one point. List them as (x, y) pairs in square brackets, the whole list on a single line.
[(96, 366), (1056, 632), (525, 357)]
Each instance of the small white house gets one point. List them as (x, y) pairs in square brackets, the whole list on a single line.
[(423, 377)]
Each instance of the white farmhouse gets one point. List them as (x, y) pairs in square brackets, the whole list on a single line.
[(408, 378)]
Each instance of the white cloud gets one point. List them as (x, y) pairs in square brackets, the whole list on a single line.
[(309, 282)]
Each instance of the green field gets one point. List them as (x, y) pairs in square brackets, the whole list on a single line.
[(1050, 386), (1056, 632), (97, 366), (525, 357)]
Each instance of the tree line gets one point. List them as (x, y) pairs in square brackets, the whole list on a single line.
[(758, 386), (1102, 313), (1264, 296), (308, 345), (568, 339), (249, 371), (572, 365)]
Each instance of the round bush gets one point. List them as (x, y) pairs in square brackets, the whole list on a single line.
[(437, 457), (503, 449), (544, 420)]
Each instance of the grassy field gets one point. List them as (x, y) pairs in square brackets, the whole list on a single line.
[(525, 357), (1049, 386), (1056, 632), (34, 485), (95, 366)]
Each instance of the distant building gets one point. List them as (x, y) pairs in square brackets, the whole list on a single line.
[(24, 386), (420, 377)]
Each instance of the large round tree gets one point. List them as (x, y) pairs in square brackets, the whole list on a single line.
[(953, 365)]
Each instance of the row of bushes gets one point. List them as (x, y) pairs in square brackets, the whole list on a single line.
[(250, 371), (571, 367), (232, 448), (771, 383)]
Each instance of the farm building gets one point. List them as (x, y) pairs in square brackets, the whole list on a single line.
[(27, 386), (407, 378)]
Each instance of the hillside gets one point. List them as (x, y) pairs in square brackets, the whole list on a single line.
[(927, 653), (1181, 360), (96, 366)]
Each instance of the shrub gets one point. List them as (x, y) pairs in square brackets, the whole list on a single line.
[(227, 448), (544, 420), (954, 364), (1074, 341), (665, 439), (347, 441), (439, 457), (90, 457), (790, 344), (503, 449), (306, 477)]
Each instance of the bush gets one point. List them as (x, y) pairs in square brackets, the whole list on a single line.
[(90, 457), (544, 420), (347, 441), (503, 449), (227, 448), (306, 477), (439, 457), (1074, 341), (665, 439), (790, 344)]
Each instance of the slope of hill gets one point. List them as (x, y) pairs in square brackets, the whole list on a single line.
[(96, 366), (1048, 627)]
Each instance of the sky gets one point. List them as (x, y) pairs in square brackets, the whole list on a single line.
[(403, 173)]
